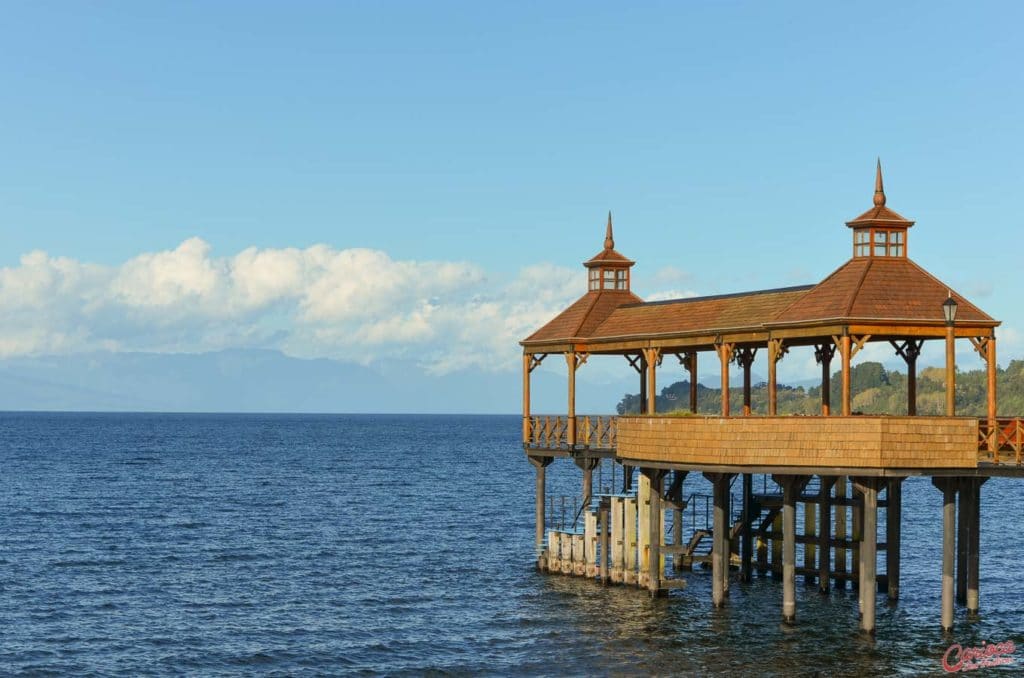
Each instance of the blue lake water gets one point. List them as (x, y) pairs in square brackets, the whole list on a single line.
[(325, 545)]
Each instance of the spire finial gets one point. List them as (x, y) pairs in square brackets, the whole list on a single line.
[(879, 191), (609, 241)]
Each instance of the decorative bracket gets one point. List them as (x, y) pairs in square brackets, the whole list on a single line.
[(909, 350), (776, 349), (823, 353), (536, 359), (744, 356), (634, 361), (980, 345), (575, 359)]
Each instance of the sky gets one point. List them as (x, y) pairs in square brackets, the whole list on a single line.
[(373, 181)]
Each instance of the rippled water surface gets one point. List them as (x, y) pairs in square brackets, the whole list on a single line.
[(241, 544)]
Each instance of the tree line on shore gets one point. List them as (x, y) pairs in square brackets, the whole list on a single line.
[(874, 389)]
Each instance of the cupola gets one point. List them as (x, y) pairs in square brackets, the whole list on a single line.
[(880, 232), (608, 270)]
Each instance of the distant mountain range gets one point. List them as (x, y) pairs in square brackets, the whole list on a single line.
[(254, 380)]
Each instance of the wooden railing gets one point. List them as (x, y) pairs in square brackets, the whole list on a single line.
[(596, 432), (1007, 436), (551, 432)]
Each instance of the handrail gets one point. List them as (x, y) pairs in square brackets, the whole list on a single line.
[(551, 432), (1006, 436)]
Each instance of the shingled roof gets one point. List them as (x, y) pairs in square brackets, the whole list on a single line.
[(698, 314), (581, 319), (878, 289)]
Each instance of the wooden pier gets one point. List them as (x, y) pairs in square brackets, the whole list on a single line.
[(840, 467)]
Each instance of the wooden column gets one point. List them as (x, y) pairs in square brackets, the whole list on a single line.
[(776, 350), (948, 488), (893, 536), (841, 534), (823, 354), (573, 360), (540, 463), (974, 546), (993, 443), (720, 528), (587, 466), (692, 368), (844, 349), (825, 533), (857, 535), (652, 357), (654, 530), (725, 352), (641, 367), (962, 518), (746, 537), (527, 368), (603, 513), (950, 373), (868, 554), (809, 546), (789, 487), (909, 350), (745, 358)]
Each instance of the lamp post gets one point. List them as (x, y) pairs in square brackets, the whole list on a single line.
[(949, 313)]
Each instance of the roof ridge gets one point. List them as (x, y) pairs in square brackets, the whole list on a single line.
[(856, 288), (586, 314), (713, 297), (811, 287)]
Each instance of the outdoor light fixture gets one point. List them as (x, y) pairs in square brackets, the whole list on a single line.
[(949, 310)]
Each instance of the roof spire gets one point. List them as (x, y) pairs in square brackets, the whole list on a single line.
[(609, 241), (879, 191)]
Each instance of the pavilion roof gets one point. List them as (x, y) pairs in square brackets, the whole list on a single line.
[(698, 314), (883, 289), (581, 318)]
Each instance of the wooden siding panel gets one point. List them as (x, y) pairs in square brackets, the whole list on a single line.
[(865, 442)]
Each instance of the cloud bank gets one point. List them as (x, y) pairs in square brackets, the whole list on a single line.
[(351, 304)]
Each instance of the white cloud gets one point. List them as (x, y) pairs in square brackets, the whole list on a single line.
[(353, 304)]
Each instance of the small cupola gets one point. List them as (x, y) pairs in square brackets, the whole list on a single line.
[(880, 232), (608, 270)]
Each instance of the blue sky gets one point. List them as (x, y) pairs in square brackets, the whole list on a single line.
[(153, 143)]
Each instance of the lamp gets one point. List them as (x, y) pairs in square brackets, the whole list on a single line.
[(949, 310)]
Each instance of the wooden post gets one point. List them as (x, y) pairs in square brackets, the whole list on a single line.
[(948, 547), (974, 546), (604, 542), (775, 352), (527, 368), (725, 357), (893, 518), (993, 443), (719, 557), (844, 348), (643, 533), (841, 534), (823, 355), (642, 369), (909, 350), (570, 424), (777, 544), (788, 547), (825, 533), (857, 535), (868, 554), (630, 542), (692, 368), (540, 463), (652, 356), (618, 551), (962, 518), (655, 526), (950, 372), (809, 546), (745, 358), (746, 537)]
